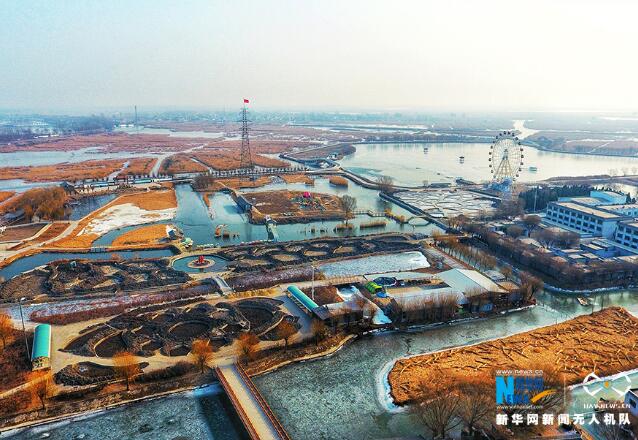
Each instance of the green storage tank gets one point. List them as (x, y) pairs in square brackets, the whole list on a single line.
[(302, 298), (41, 352)]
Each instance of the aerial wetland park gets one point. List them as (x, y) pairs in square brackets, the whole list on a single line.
[(276, 220)]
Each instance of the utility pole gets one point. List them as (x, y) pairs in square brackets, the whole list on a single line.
[(246, 160), (312, 288), (24, 332), (136, 126)]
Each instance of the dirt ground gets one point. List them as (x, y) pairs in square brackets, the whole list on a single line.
[(151, 234), (21, 232), (605, 343), (338, 181), (291, 206), (51, 232)]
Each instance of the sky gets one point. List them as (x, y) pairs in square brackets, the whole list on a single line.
[(517, 55)]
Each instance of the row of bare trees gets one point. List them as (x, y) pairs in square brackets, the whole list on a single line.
[(595, 274), (451, 401)]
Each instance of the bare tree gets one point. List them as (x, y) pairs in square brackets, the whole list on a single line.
[(515, 231), (6, 329), (530, 286), (126, 367), (439, 405), (319, 330), (202, 352), (385, 183), (348, 204), (286, 330), (531, 221), (41, 385), (507, 272), (247, 345), (476, 404)]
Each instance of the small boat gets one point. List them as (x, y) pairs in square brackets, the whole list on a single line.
[(532, 168), (583, 301), (461, 159)]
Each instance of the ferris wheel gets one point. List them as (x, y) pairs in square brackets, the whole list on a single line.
[(506, 157)]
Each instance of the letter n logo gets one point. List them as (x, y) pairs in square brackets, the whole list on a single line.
[(504, 390)]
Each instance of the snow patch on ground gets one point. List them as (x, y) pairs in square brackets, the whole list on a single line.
[(123, 215)]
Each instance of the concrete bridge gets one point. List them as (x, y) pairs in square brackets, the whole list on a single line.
[(253, 410)]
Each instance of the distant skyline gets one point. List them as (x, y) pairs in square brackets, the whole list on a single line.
[(319, 55)]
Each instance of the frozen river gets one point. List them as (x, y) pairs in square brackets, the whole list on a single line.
[(411, 164)]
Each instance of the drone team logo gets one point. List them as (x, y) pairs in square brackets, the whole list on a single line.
[(594, 384), (520, 388)]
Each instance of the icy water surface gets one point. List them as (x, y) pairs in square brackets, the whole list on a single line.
[(376, 264), (200, 414), (411, 164)]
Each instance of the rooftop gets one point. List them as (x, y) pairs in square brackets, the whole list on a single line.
[(589, 210), (463, 280)]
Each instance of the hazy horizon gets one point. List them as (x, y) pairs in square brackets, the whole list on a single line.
[(412, 56)]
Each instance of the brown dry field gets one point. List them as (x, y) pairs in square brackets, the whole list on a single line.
[(90, 169), (605, 342), (338, 181), (223, 159), (52, 231), (297, 178), (151, 234), (4, 195), (139, 166), (110, 142), (181, 163), (238, 183), (148, 200)]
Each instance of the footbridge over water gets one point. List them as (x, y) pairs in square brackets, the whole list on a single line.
[(253, 410)]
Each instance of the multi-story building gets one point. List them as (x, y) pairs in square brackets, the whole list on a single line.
[(584, 219), (627, 233)]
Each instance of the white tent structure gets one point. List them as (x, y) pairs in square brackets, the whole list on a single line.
[(464, 280)]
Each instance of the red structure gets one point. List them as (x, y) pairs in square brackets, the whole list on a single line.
[(200, 260)]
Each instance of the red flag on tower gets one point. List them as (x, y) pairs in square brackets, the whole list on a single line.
[(245, 101)]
